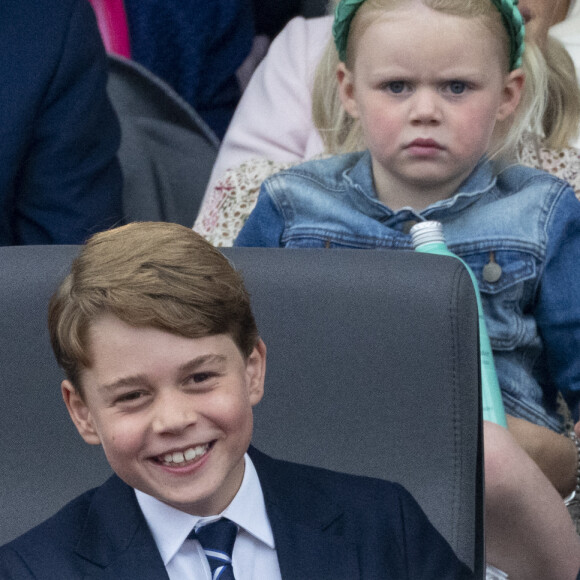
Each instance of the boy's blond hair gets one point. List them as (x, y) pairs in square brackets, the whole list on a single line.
[(161, 275), (549, 107)]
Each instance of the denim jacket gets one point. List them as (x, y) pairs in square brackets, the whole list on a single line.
[(524, 220)]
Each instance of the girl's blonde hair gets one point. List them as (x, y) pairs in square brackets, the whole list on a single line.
[(549, 106)]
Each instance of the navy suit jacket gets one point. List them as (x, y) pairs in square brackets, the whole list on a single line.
[(60, 180), (327, 526)]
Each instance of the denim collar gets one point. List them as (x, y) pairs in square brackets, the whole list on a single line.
[(359, 178)]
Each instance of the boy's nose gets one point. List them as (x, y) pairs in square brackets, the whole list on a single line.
[(173, 414), (425, 107)]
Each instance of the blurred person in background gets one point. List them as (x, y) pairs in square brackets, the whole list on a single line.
[(60, 180), (195, 46)]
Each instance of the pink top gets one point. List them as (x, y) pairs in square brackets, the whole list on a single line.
[(273, 119), (112, 21)]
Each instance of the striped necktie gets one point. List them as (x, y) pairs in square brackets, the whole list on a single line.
[(217, 540)]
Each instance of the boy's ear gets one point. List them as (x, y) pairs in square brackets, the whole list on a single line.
[(346, 90), (512, 92), (256, 372), (79, 413)]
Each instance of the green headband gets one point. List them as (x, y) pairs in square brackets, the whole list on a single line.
[(510, 15)]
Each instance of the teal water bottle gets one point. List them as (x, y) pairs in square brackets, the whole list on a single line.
[(428, 238)]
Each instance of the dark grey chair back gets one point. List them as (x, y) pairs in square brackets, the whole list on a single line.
[(44, 461), (372, 369), (167, 151)]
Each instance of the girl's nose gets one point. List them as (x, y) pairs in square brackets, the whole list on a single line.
[(425, 107)]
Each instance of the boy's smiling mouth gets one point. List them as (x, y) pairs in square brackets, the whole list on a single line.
[(185, 456)]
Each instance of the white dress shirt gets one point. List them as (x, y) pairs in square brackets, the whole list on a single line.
[(254, 556)]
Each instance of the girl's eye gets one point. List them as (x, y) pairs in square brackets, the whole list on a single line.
[(396, 87), (457, 87)]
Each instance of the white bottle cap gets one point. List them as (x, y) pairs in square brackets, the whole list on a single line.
[(426, 233)]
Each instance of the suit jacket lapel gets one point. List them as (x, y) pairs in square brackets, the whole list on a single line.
[(116, 538), (306, 523)]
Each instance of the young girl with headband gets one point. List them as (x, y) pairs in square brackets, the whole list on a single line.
[(291, 112), (550, 77), (437, 87), (282, 119)]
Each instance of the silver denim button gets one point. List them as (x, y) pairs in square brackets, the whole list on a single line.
[(492, 270)]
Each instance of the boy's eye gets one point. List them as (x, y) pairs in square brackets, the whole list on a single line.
[(128, 397), (457, 87), (201, 377)]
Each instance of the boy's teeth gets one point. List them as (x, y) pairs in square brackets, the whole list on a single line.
[(187, 455), (190, 454)]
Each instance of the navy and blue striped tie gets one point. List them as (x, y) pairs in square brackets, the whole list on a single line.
[(217, 540)]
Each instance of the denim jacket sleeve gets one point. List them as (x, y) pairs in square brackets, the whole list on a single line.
[(558, 304), (264, 226)]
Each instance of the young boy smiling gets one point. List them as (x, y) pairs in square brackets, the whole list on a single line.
[(154, 330)]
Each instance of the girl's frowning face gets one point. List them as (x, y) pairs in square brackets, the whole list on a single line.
[(428, 89)]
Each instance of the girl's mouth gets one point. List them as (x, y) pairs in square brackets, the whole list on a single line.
[(425, 143)]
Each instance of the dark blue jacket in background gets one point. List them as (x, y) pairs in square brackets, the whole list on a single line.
[(60, 180), (195, 46)]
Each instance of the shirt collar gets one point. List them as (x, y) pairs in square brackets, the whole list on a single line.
[(170, 526)]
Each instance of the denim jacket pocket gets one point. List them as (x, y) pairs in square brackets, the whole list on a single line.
[(319, 242), (506, 280), (321, 238)]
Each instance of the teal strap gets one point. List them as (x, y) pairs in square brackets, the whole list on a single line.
[(511, 17)]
